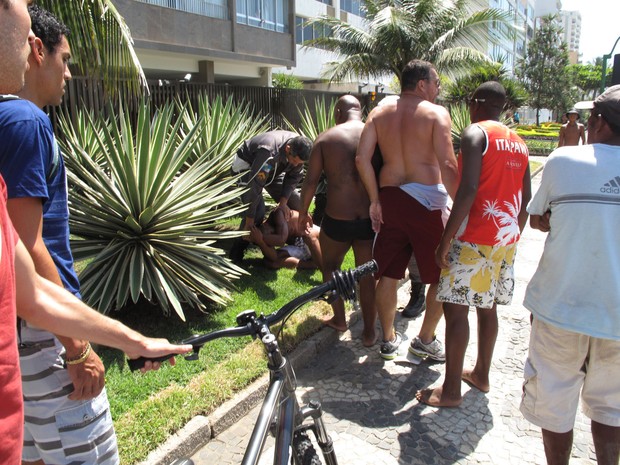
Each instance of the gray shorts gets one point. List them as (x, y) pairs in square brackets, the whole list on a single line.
[(59, 430)]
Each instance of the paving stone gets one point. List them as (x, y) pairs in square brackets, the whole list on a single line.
[(373, 417)]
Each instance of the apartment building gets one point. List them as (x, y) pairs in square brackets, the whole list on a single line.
[(245, 41), (215, 41), (510, 52), (571, 24)]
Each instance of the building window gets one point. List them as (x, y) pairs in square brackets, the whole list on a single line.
[(353, 6), (266, 14), (305, 31), (211, 8)]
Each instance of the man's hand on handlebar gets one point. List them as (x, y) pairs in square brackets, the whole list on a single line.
[(151, 348)]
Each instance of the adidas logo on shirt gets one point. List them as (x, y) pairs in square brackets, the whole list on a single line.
[(612, 186)]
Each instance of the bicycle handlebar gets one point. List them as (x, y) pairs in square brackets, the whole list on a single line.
[(342, 283)]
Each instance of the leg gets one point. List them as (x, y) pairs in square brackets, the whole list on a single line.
[(434, 311), (385, 302), (557, 447), (416, 304), (487, 335), (363, 253), (333, 253), (606, 443), (38, 462), (457, 337)]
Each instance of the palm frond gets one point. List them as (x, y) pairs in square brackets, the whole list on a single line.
[(101, 43)]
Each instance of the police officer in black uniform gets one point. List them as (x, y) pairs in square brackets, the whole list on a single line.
[(272, 161)]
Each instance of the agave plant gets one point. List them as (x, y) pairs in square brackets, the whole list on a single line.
[(101, 43), (224, 126), (144, 213), (313, 124)]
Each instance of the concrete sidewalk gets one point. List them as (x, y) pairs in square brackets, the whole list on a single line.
[(373, 416)]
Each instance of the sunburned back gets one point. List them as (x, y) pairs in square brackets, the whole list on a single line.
[(405, 130), (346, 196)]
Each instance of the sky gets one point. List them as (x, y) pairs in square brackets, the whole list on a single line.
[(600, 27)]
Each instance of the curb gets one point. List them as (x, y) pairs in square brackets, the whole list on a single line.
[(200, 429)]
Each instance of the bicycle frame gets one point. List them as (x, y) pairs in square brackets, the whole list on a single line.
[(280, 412)]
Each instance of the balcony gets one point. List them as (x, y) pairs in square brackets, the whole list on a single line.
[(211, 8)]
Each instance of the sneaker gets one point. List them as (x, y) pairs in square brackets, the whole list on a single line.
[(433, 350), (417, 302), (389, 349)]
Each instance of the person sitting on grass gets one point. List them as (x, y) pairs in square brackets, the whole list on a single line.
[(284, 244)]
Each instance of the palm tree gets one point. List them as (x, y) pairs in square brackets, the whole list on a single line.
[(458, 91), (449, 34), (101, 43)]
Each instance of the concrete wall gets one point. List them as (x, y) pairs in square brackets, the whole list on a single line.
[(183, 39)]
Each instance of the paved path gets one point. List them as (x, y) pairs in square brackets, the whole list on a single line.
[(374, 418)]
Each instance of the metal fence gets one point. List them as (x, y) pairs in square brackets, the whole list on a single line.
[(276, 105)]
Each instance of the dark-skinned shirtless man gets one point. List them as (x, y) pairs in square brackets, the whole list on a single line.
[(346, 222), (406, 206)]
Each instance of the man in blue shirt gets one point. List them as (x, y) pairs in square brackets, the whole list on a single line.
[(33, 169)]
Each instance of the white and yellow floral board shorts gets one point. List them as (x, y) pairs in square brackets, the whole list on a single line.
[(478, 275)]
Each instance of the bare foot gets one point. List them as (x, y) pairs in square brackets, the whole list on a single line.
[(470, 378), (337, 325), (436, 398), (369, 338)]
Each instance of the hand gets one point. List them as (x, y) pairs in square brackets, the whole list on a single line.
[(256, 235), (88, 378), (152, 347), (441, 254), (376, 216), (305, 223), (544, 224)]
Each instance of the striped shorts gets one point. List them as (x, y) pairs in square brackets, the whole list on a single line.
[(58, 430)]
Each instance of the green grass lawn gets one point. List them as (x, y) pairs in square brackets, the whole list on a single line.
[(148, 408)]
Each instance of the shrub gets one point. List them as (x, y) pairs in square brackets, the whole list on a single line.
[(143, 211)]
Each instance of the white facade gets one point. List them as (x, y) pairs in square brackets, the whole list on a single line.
[(571, 24), (310, 61), (508, 51)]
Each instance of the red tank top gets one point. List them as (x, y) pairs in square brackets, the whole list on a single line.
[(493, 218), (11, 409)]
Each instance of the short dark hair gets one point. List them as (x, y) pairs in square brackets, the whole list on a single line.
[(414, 72), (47, 27), (493, 93), (301, 147)]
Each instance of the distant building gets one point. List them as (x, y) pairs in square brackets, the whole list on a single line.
[(522, 13), (571, 24)]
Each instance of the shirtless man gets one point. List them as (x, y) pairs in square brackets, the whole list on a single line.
[(345, 223), (298, 245), (572, 131), (406, 204)]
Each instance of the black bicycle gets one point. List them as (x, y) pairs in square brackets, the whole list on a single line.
[(281, 414)]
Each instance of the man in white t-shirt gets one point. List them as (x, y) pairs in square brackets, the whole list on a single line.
[(574, 295)]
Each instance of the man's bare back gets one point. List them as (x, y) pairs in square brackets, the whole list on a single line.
[(346, 195), (408, 132)]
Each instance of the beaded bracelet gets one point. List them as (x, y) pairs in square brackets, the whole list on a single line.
[(82, 358)]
